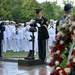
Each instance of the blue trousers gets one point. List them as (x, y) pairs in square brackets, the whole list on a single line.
[(42, 49)]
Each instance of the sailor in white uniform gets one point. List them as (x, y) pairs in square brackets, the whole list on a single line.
[(28, 33), (12, 28), (52, 33), (25, 42), (22, 37), (20, 30), (16, 39), (8, 33)]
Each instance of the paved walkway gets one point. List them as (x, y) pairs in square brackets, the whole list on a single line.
[(11, 68)]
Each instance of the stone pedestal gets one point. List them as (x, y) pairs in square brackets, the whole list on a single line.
[(29, 62)]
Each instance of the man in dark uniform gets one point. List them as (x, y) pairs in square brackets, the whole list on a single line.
[(42, 24), (67, 10), (2, 28)]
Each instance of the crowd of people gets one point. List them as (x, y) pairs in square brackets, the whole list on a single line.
[(17, 36)]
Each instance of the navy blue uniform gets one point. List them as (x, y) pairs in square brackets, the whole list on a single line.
[(2, 28), (63, 18), (42, 36)]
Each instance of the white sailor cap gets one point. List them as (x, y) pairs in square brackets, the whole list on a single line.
[(22, 24), (27, 23), (51, 20), (7, 21), (13, 22)]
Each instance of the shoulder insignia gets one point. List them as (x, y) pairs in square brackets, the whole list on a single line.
[(47, 22), (45, 26)]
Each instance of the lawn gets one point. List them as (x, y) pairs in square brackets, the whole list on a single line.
[(21, 54)]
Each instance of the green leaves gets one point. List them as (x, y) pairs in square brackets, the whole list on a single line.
[(23, 10), (63, 63)]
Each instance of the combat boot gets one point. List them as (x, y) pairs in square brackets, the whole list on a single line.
[(29, 54), (32, 55)]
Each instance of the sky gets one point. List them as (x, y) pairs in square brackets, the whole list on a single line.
[(58, 1), (40, 1)]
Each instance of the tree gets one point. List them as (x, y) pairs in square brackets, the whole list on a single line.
[(28, 9), (51, 10), (16, 10), (5, 7), (24, 10)]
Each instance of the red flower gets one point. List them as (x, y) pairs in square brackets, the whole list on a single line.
[(63, 28), (51, 64), (59, 69), (69, 33), (58, 58), (74, 52), (63, 72), (56, 38), (53, 50), (54, 73), (60, 47), (70, 65)]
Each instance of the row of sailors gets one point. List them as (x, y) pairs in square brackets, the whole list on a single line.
[(16, 37)]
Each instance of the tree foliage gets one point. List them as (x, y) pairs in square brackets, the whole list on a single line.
[(24, 10)]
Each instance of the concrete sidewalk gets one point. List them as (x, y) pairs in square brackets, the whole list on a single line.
[(12, 68)]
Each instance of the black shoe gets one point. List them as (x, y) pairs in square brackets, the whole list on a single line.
[(26, 57), (30, 55)]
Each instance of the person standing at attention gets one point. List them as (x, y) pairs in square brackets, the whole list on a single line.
[(42, 24)]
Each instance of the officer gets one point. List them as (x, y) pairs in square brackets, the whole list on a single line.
[(2, 28), (42, 24), (67, 10)]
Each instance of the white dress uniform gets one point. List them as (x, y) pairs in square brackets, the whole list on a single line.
[(52, 33), (8, 33), (29, 34), (16, 40), (12, 37), (21, 39), (5, 40), (27, 38), (36, 41), (24, 41)]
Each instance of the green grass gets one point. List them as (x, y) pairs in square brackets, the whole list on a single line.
[(21, 54)]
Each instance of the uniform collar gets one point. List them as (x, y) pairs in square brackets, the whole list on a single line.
[(40, 17)]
